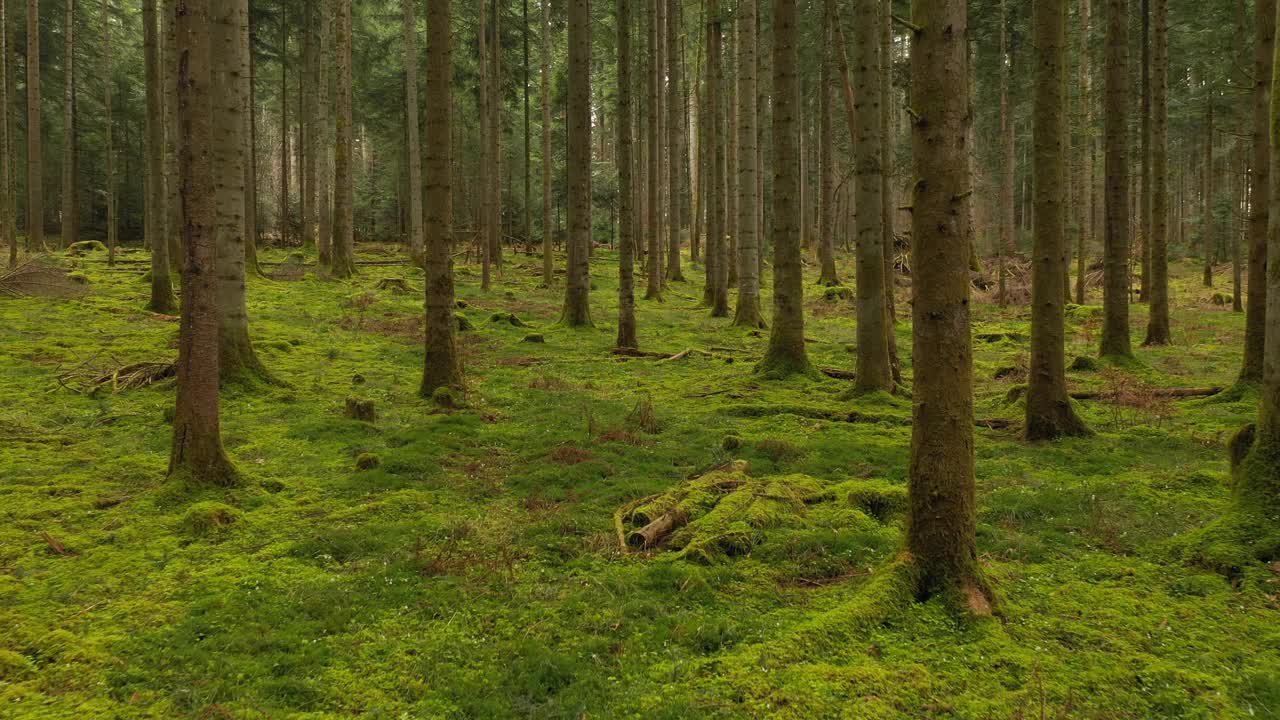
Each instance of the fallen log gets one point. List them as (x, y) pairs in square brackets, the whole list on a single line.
[(657, 530), (839, 374), (1157, 392)]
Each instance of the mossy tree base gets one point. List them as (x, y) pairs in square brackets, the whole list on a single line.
[(1249, 532), (1056, 422)]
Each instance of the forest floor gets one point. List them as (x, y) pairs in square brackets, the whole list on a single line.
[(476, 571)]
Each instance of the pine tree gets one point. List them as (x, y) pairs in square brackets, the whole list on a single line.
[(1158, 294), (626, 209), (343, 264), (1115, 297), (35, 159), (156, 212), (577, 311), (747, 313)]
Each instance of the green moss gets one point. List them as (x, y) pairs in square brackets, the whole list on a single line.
[(209, 517)]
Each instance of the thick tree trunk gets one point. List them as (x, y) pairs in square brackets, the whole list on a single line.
[(35, 160), (411, 124), (826, 155), (786, 354), (156, 210), (236, 358), (1049, 411), (1115, 298), (677, 191), (626, 204), (941, 519), (343, 250), (874, 369), (441, 366), (197, 444), (577, 310), (748, 309), (1158, 322), (1264, 35)]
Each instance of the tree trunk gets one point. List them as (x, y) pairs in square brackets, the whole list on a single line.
[(441, 366), (874, 369), (156, 210), (306, 127), (941, 519), (35, 161), (577, 310), (548, 258), (324, 208), (236, 358), (718, 257), (1158, 322), (1207, 239), (486, 162), (748, 309), (1115, 299), (248, 111), (411, 124), (70, 208), (653, 74), (1087, 224), (826, 155), (197, 444), (677, 192), (1049, 411), (786, 354), (888, 206), (1256, 301), (173, 222), (626, 209), (343, 251), (495, 136), (285, 228), (1008, 222), (6, 167)]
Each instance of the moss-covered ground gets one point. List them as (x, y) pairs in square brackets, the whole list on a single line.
[(472, 568)]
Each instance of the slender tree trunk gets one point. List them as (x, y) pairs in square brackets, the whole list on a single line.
[(748, 309), (528, 138), (941, 519), (411, 124), (197, 444), (236, 358), (486, 162), (1264, 35), (250, 152), (1115, 329), (1049, 411), (285, 229), (1145, 209), (173, 222), (495, 136), (1008, 222), (626, 193), (324, 141), (874, 369), (548, 257), (70, 208), (717, 241), (306, 127), (1087, 223), (888, 206), (162, 300), (6, 166), (343, 250), (786, 354), (442, 366), (577, 310), (675, 142), (1207, 239), (35, 160), (1158, 322), (826, 155), (653, 82)]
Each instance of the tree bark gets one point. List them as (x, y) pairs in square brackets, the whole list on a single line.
[(874, 369), (1008, 221), (1049, 411), (156, 211), (1087, 224), (1115, 299), (70, 207), (441, 366), (577, 310), (35, 160), (343, 250), (626, 204), (1207, 229), (324, 207), (250, 152), (717, 242), (495, 136), (284, 219), (747, 313), (197, 444), (1264, 29), (826, 155), (677, 192), (548, 257), (786, 354), (653, 83), (6, 151), (1158, 296), (941, 519), (411, 124)]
